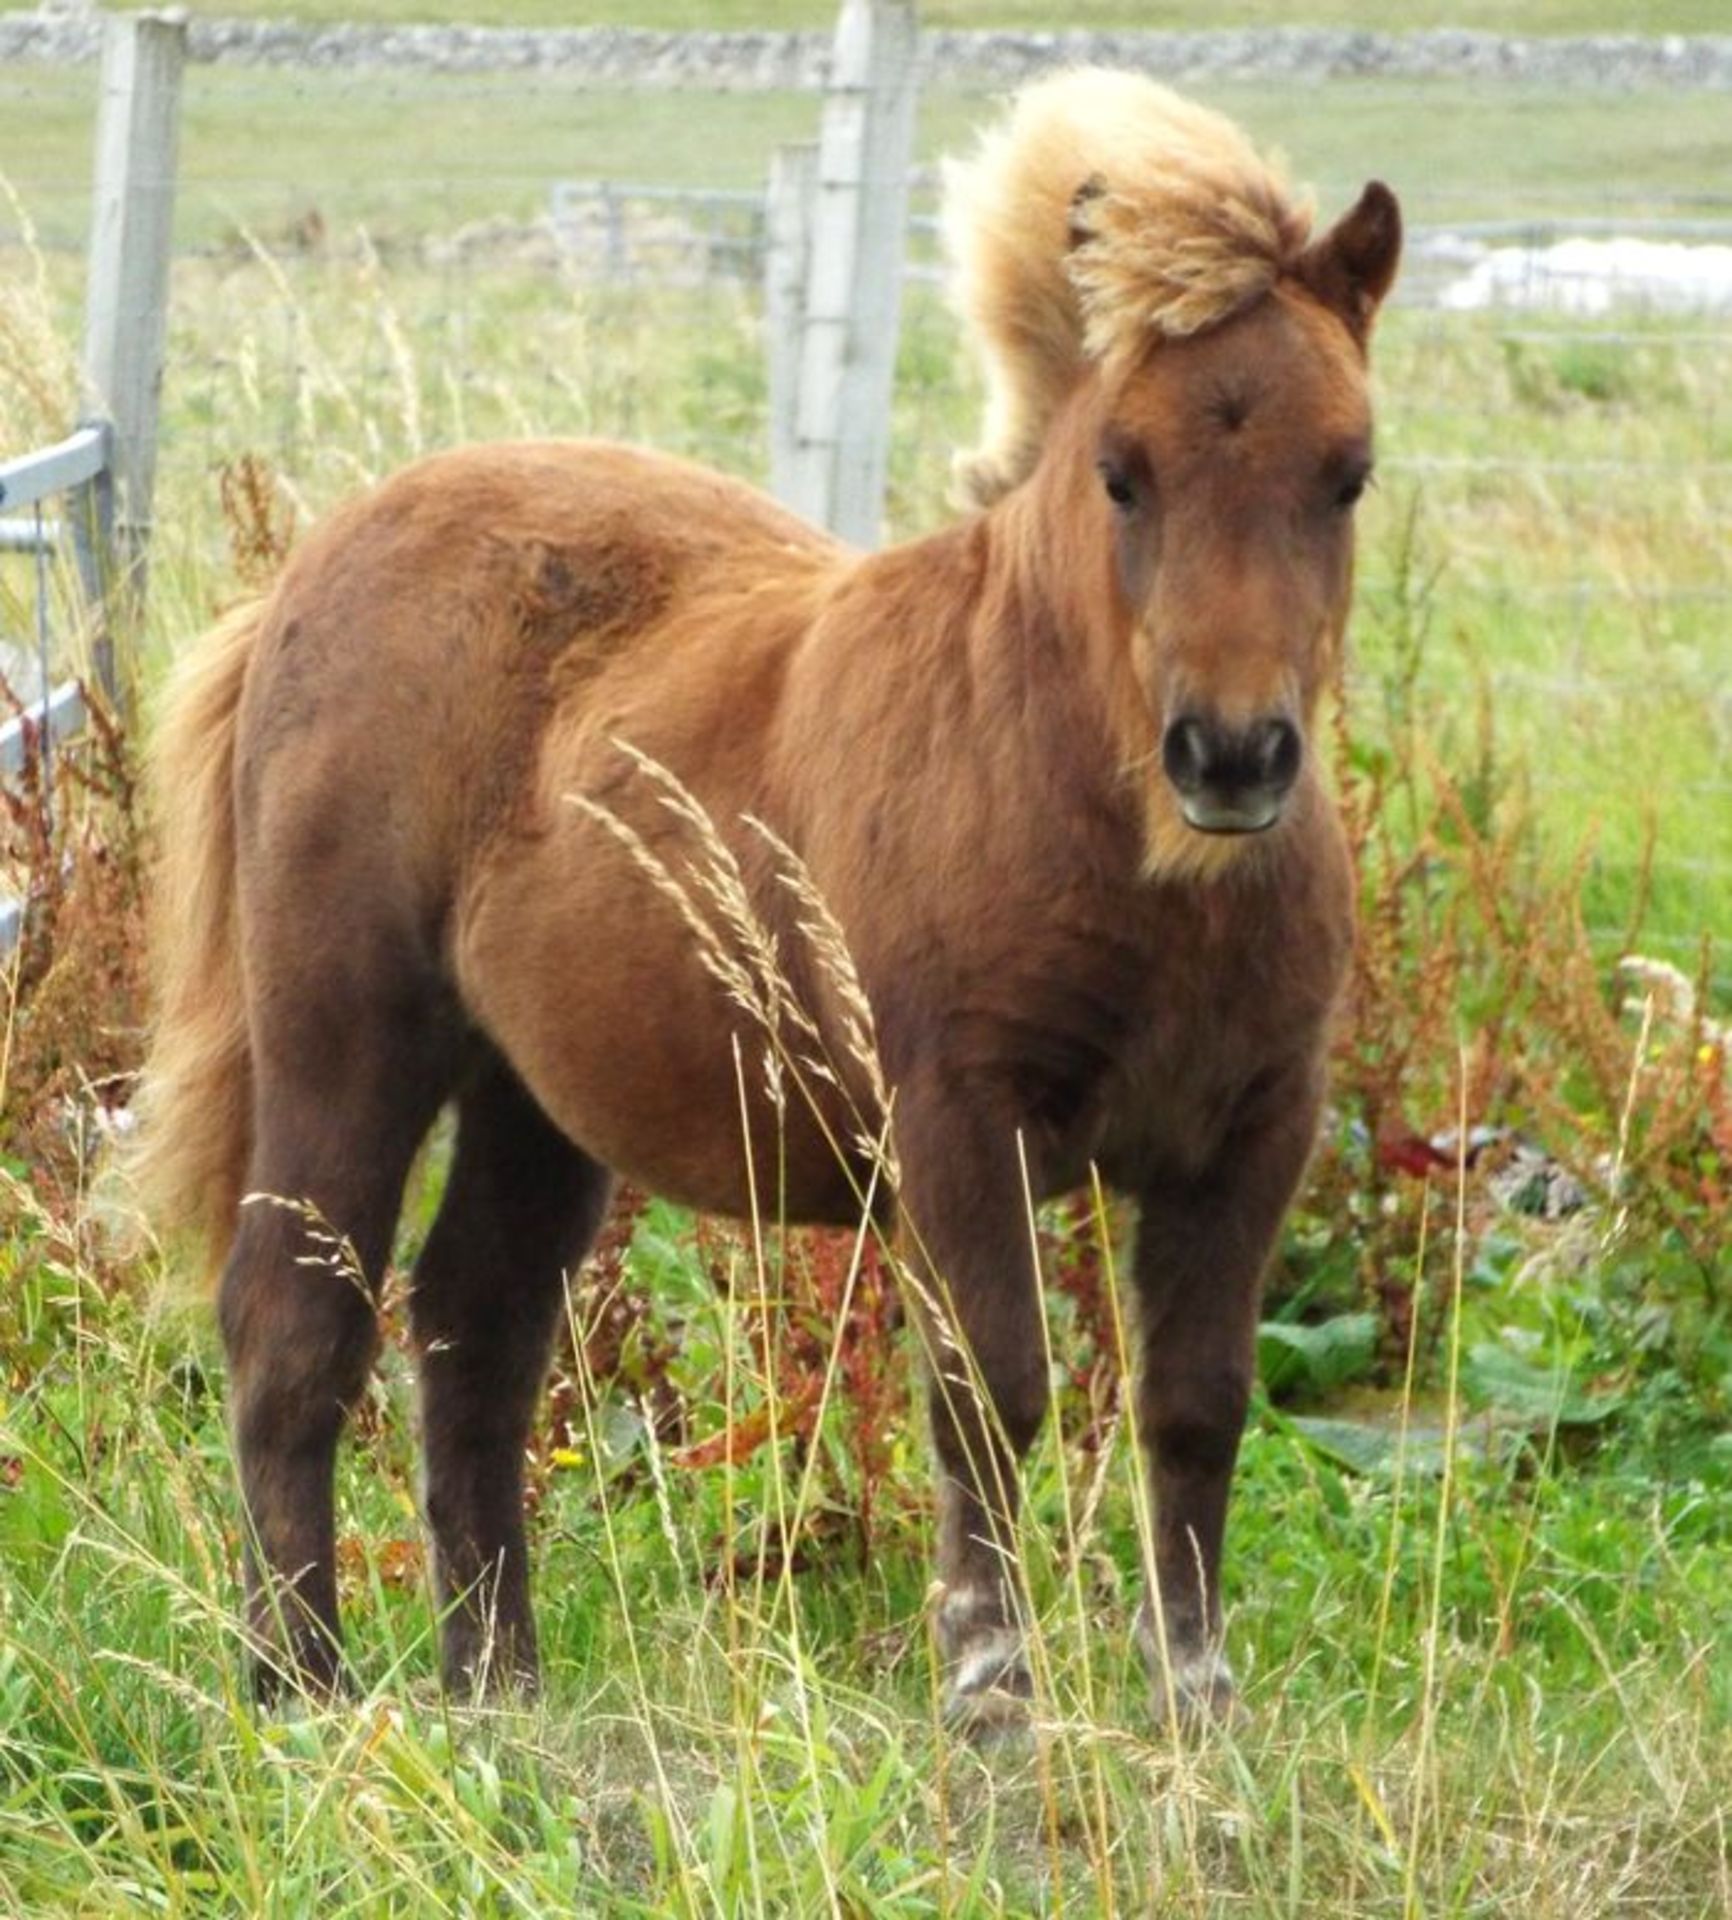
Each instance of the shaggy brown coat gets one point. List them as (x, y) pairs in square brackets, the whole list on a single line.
[(1048, 773)]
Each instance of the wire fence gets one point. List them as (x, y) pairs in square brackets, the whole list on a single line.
[(1547, 545)]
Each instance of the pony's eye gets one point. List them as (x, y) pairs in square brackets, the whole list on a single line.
[(1117, 483), (1351, 489)]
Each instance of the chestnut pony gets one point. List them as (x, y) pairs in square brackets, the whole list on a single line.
[(1050, 773)]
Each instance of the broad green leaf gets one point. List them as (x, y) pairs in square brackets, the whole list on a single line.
[(1377, 1447), (1544, 1395), (1294, 1358)]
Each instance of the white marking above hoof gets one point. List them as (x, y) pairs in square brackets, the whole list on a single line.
[(1193, 1684), (992, 1660), (958, 1607), (990, 1686)]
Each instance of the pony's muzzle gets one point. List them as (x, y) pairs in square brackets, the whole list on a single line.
[(1231, 779)]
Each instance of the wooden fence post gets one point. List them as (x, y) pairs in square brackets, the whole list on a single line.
[(126, 310), (835, 456)]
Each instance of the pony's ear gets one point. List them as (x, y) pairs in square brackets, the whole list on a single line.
[(1353, 266)]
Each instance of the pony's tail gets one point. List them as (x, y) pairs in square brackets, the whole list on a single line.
[(189, 1159)]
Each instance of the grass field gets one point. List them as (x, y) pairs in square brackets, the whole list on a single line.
[(405, 152), (1477, 1599)]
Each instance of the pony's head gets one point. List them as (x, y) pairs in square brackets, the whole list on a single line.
[(1169, 343)]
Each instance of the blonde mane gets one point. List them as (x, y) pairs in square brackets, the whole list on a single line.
[(1103, 209)]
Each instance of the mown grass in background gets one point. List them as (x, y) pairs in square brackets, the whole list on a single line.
[(404, 153)]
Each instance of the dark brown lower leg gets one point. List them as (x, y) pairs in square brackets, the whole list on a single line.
[(1192, 1400), (520, 1210), (977, 1305), (982, 1425), (1201, 1249), (296, 1305)]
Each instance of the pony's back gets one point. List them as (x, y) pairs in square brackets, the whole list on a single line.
[(1102, 209)]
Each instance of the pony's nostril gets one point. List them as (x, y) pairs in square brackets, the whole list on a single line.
[(1185, 754), (1275, 751), (1231, 779)]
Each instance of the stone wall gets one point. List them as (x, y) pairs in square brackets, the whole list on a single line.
[(635, 57)]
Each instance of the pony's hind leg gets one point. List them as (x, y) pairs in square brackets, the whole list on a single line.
[(342, 1105), (521, 1207)]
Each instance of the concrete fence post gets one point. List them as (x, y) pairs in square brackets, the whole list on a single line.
[(789, 204), (126, 310), (833, 457)]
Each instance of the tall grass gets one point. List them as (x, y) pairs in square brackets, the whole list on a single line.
[(1495, 1690)]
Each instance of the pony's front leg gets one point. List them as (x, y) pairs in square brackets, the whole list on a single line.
[(974, 1292), (1202, 1245)]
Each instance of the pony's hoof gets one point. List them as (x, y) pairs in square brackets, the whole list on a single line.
[(490, 1673), (289, 1685), (1189, 1683), (994, 1717), (991, 1689), (1197, 1691)]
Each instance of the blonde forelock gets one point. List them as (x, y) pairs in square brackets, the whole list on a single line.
[(1103, 209)]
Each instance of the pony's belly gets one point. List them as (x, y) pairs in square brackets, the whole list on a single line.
[(634, 1053), (724, 1156)]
